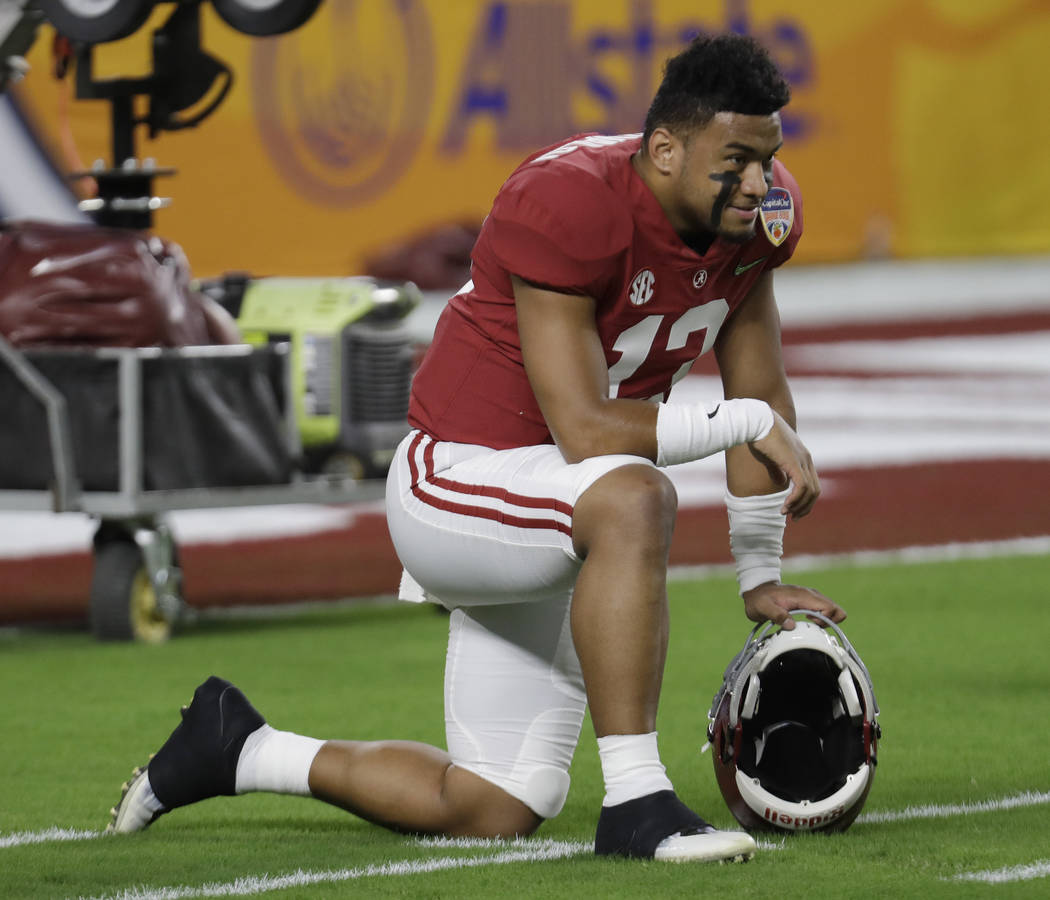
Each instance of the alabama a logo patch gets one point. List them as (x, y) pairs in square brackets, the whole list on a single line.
[(778, 215), (642, 288)]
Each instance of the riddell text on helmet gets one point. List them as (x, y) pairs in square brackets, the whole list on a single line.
[(784, 820)]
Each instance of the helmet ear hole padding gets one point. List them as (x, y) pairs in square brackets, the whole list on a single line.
[(754, 688), (849, 693)]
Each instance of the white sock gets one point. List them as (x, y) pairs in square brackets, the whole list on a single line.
[(148, 799), (631, 766), (276, 761)]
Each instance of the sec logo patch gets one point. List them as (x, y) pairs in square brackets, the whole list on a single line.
[(642, 287)]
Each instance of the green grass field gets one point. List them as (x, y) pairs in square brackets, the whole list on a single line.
[(957, 651)]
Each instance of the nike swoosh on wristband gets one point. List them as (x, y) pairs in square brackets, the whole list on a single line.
[(714, 412), (740, 270)]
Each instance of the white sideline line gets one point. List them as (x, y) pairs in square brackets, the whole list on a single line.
[(531, 852), (1029, 546), (931, 811), (1027, 872), (523, 850), (473, 843), (1026, 798), (48, 835), (479, 843)]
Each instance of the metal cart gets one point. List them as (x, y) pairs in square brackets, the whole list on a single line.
[(136, 589)]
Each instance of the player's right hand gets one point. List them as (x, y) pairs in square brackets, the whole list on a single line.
[(786, 457), (775, 602)]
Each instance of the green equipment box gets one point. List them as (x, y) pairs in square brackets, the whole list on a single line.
[(352, 360)]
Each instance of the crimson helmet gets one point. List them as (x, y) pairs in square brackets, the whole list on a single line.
[(793, 729)]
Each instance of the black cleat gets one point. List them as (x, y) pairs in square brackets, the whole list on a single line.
[(660, 826), (198, 760)]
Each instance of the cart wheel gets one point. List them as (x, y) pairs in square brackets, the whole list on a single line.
[(344, 463), (265, 17), (123, 602), (96, 21)]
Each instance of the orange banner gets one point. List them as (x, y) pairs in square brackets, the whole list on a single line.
[(915, 129)]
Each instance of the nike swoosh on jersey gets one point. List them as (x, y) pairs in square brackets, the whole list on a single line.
[(740, 270)]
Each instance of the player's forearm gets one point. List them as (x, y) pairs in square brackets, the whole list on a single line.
[(746, 474), (666, 433), (755, 493), (613, 426)]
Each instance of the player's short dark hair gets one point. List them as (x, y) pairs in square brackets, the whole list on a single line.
[(721, 73)]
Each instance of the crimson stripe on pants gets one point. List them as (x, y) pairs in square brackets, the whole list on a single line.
[(481, 512)]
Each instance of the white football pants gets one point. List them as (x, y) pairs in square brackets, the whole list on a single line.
[(488, 534)]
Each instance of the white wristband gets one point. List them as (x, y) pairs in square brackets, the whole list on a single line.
[(756, 537), (688, 431)]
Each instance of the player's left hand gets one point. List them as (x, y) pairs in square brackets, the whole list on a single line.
[(775, 602)]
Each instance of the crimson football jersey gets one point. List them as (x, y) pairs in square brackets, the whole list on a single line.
[(578, 219)]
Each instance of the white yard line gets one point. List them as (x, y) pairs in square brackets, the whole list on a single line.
[(519, 851), (475, 843), (56, 834), (523, 850), (478, 843), (47, 836), (937, 811), (1026, 872)]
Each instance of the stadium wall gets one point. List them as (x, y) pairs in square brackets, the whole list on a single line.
[(913, 129)]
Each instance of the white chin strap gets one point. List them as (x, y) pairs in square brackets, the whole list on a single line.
[(809, 814)]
